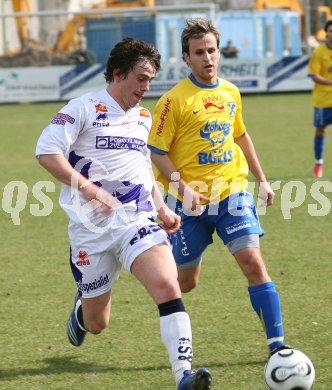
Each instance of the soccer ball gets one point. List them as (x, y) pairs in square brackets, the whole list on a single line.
[(289, 369)]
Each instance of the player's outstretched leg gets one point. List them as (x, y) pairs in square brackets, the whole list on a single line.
[(196, 380), (279, 349), (75, 331)]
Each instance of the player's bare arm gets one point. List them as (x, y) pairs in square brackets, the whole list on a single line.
[(170, 220), (168, 169), (321, 80), (266, 194)]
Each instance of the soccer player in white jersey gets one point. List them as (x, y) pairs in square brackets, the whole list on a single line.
[(200, 144), (97, 147)]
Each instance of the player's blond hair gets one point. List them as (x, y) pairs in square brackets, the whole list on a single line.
[(196, 28)]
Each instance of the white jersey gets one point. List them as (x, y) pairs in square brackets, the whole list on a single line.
[(107, 145)]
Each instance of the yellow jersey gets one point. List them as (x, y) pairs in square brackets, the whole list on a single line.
[(321, 64), (195, 125)]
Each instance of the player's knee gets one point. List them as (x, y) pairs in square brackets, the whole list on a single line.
[(253, 267), (257, 272), (188, 278), (165, 289), (188, 284), (170, 288), (96, 326)]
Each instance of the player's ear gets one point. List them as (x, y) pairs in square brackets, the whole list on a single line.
[(186, 58), (117, 74)]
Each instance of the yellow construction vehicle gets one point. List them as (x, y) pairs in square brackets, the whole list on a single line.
[(318, 15), (70, 37), (322, 15), (293, 5), (21, 21), (123, 3)]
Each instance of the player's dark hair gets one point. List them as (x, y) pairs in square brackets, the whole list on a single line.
[(196, 28), (327, 25), (127, 53)]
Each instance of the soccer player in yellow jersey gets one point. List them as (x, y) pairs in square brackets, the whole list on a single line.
[(203, 152), (320, 70)]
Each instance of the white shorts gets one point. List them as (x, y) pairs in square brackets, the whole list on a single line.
[(98, 252)]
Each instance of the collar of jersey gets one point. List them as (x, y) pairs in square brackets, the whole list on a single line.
[(209, 86)]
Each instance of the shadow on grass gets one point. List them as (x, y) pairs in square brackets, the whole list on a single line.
[(211, 365), (70, 364)]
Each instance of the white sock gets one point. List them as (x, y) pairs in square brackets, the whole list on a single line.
[(176, 334)]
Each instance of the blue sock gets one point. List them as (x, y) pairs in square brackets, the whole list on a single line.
[(265, 301), (319, 143)]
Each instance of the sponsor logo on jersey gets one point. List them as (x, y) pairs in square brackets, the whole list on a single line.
[(140, 123), (212, 104), (197, 111), (144, 231), (216, 157), (82, 259), (235, 227), (101, 120), (110, 142), (216, 133), (82, 255), (231, 109), (163, 116), (61, 119), (97, 283), (101, 108), (208, 105), (101, 117), (216, 99), (144, 112), (100, 124)]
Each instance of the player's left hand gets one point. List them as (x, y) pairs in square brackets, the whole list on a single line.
[(265, 194), (170, 221)]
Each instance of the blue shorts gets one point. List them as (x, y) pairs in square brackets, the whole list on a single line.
[(231, 218), (322, 117)]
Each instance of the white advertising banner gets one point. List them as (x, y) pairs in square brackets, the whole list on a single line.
[(28, 84), (288, 74), (66, 82)]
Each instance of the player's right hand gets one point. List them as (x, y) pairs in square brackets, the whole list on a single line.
[(169, 220), (192, 202), (100, 201)]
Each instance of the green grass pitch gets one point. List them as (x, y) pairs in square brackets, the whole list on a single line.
[(37, 288)]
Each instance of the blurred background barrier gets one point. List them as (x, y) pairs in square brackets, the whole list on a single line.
[(272, 40), (65, 82)]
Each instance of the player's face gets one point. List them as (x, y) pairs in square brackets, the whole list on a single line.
[(203, 58), (329, 35), (129, 91)]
